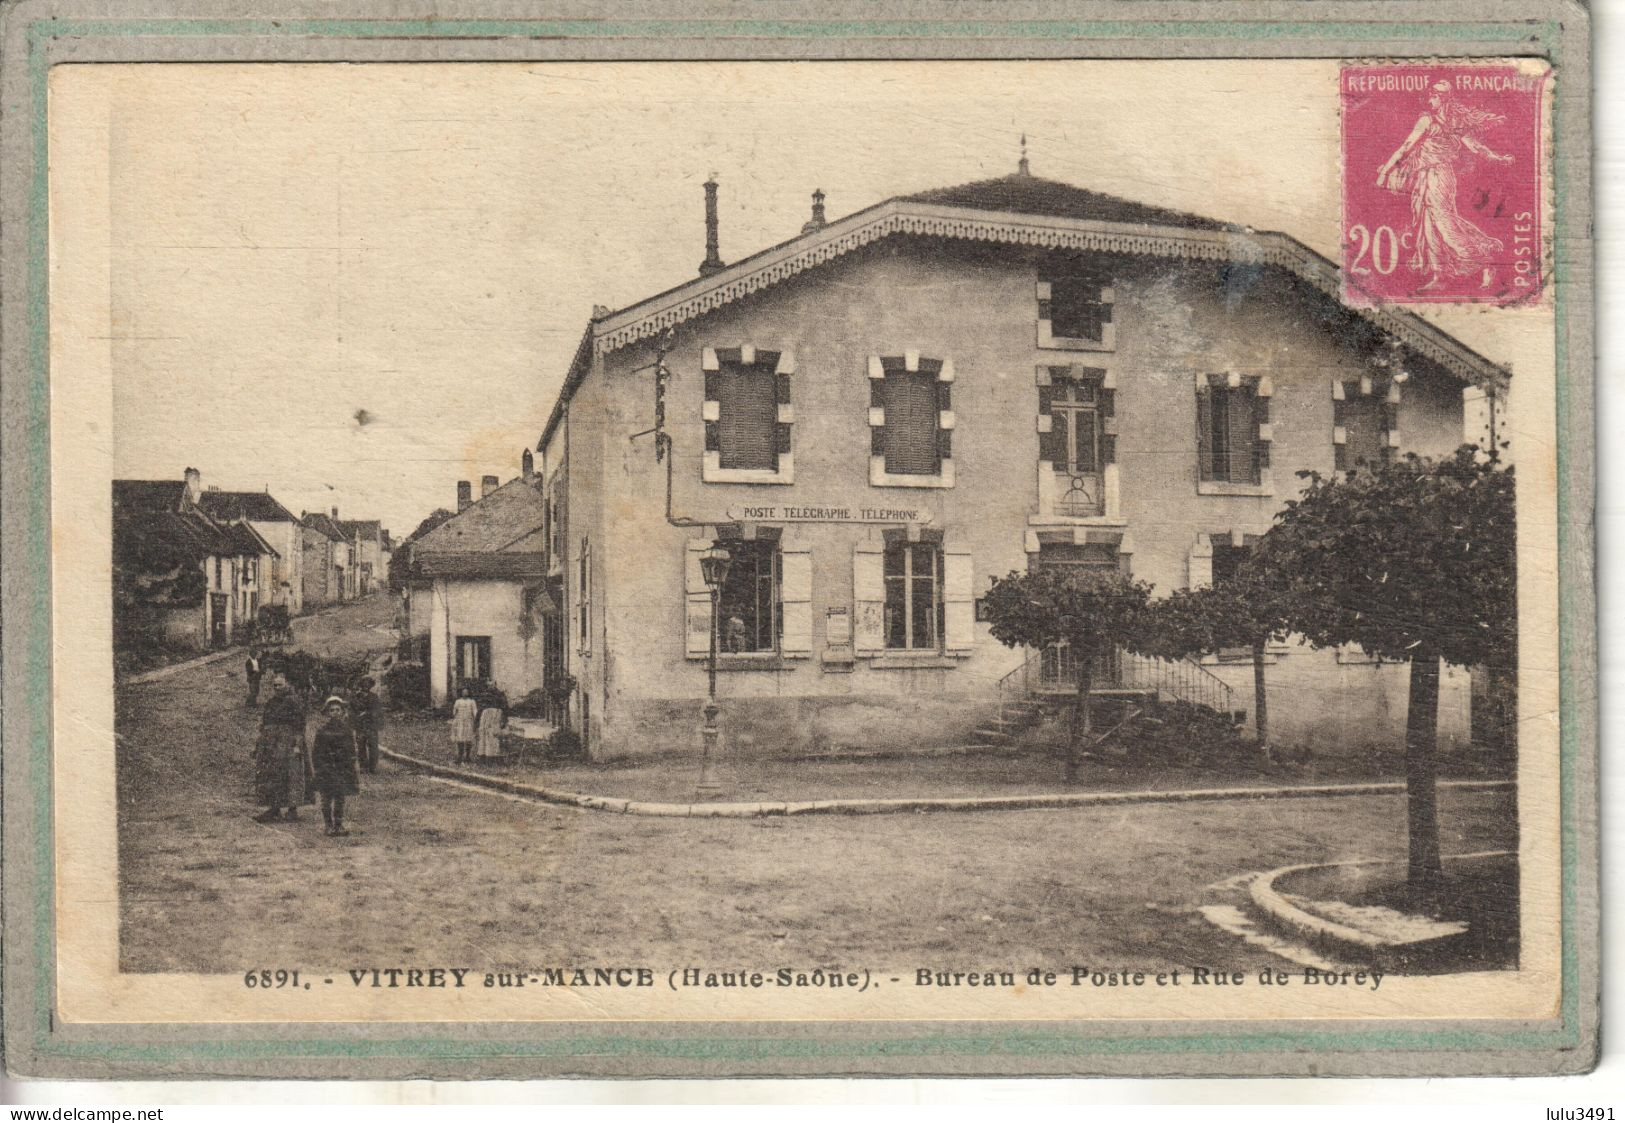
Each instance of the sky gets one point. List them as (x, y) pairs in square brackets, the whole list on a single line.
[(356, 284)]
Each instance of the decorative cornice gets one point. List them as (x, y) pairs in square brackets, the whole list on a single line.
[(1269, 248)]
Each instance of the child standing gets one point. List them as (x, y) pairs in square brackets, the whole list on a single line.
[(333, 757), (463, 713)]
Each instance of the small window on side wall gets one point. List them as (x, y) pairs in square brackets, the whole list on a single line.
[(1232, 419), (1075, 300)]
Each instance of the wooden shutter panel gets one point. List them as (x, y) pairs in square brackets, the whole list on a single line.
[(696, 602), (1204, 433), (795, 599), (958, 601), (868, 598), (911, 424), (747, 425)]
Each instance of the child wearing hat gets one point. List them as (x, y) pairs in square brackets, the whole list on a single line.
[(333, 759)]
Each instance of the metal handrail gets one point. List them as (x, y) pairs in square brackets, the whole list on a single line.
[(1181, 679)]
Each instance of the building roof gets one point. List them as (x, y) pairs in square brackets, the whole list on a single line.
[(507, 519), (358, 529), (1028, 194), (246, 540), (496, 565), (1017, 210), (148, 495), (324, 524), (258, 506)]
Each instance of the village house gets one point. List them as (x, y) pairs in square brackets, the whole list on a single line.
[(477, 590), (282, 583), (371, 558), (160, 529), (329, 562), (881, 415)]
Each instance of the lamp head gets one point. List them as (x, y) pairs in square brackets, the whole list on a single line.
[(714, 566)]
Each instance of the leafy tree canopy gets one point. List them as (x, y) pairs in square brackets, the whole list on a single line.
[(1413, 557), (1065, 604)]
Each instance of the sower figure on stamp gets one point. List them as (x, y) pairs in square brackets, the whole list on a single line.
[(333, 756), (1425, 165), (279, 754), (463, 713), (253, 668), (364, 719)]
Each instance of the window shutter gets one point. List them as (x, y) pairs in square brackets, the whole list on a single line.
[(958, 600), (697, 602), (1051, 445), (868, 598), (747, 427), (1204, 433), (795, 598), (1243, 430), (911, 424)]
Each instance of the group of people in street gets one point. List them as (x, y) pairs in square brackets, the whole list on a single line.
[(345, 742), (476, 726)]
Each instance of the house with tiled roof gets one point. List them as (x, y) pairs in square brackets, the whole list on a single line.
[(284, 581), (478, 589), (181, 574), (371, 559), (329, 560), (882, 413)]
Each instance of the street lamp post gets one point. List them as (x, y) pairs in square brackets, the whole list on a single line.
[(714, 569)]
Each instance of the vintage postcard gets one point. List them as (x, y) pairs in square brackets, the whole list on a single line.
[(706, 544)]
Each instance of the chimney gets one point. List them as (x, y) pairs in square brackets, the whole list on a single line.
[(194, 485), (465, 495), (488, 484), (817, 221), (527, 464), (712, 262), (335, 514)]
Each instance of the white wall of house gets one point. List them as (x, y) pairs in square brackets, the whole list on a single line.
[(287, 538), (485, 607)]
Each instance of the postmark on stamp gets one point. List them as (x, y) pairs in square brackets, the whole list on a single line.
[(1442, 183)]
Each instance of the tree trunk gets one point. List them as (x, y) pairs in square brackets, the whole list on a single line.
[(1261, 704), (1421, 792), (1080, 710)]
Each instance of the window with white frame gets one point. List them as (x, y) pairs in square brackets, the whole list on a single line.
[(1232, 429), (914, 607), (1365, 421), (1075, 299), (748, 415)]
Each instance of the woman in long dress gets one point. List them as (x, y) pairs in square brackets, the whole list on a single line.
[(1425, 165), (464, 713), (488, 746), (279, 755)]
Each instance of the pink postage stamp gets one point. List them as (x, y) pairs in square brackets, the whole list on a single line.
[(1441, 183)]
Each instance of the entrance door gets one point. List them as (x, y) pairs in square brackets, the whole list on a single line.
[(473, 660), (219, 605)]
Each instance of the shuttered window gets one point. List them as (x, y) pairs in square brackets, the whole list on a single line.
[(910, 442), (1227, 434), (747, 423), (1360, 416), (913, 575)]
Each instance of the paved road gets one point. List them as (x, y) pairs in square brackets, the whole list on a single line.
[(442, 872)]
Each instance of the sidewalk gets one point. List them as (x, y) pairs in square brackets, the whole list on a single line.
[(1047, 800), (239, 650)]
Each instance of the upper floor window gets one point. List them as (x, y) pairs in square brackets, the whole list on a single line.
[(1365, 421), (1232, 430), (747, 415), (1075, 301), (911, 421)]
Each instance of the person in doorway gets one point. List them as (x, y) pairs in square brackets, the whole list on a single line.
[(253, 668), (463, 713), (279, 755), (364, 719), (333, 757), (489, 744)]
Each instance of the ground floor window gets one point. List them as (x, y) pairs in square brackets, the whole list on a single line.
[(748, 604), (913, 612)]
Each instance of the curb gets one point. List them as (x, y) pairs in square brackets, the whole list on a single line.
[(1057, 800), (1324, 932)]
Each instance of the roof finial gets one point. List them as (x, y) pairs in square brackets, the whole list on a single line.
[(1021, 166)]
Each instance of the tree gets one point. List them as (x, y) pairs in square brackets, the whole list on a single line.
[(1091, 611), (1414, 560), (1249, 609)]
